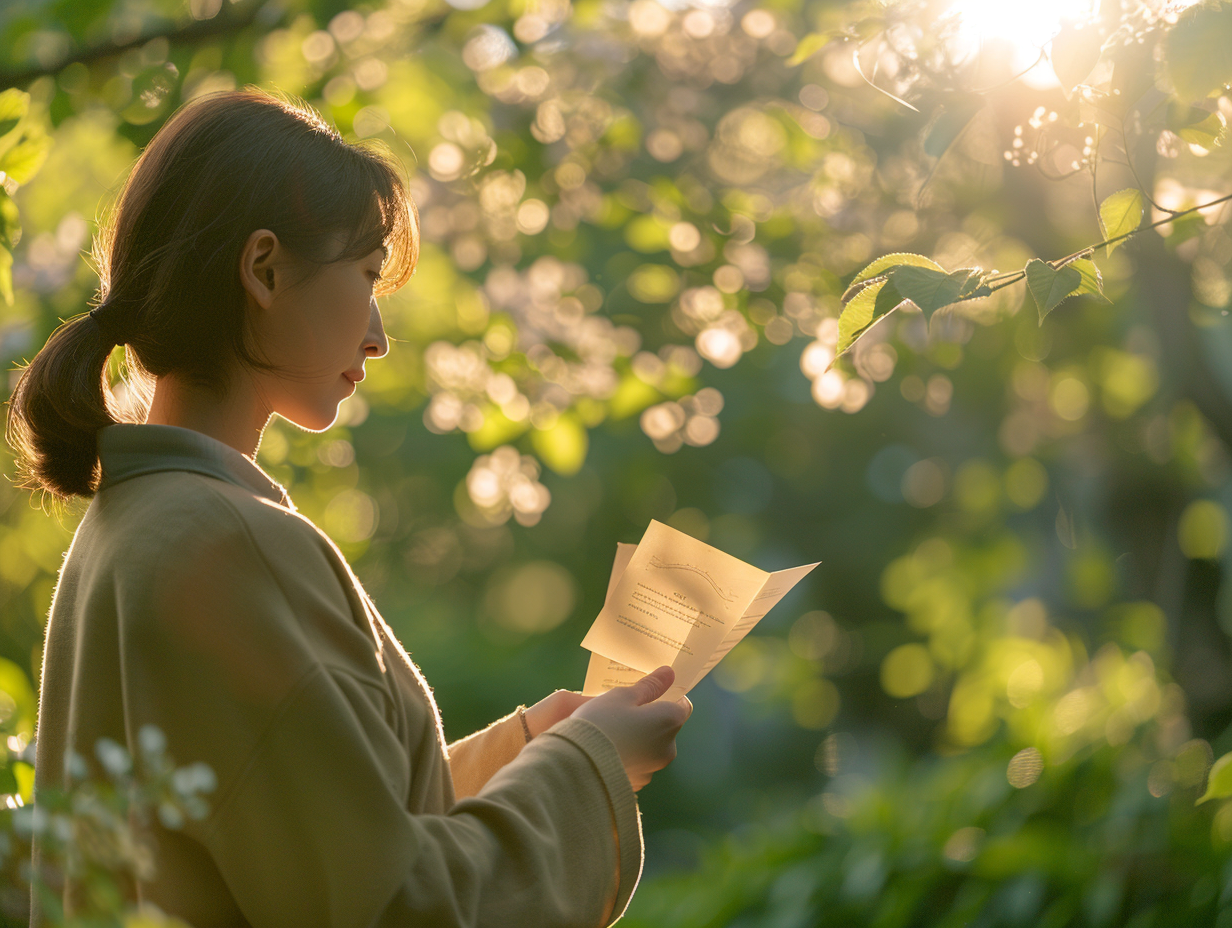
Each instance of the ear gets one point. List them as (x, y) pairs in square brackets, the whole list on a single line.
[(262, 271)]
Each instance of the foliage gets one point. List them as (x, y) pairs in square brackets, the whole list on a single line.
[(650, 230), (23, 149), (1062, 783), (949, 842), (92, 831)]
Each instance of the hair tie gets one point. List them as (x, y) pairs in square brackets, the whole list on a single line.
[(108, 324)]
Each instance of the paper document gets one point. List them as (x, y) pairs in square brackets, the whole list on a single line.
[(678, 601)]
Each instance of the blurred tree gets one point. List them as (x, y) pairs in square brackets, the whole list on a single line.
[(997, 700)]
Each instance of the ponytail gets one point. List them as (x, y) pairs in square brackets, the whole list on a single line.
[(223, 166), (60, 402)]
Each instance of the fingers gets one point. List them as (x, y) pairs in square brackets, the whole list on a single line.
[(652, 686), (687, 705)]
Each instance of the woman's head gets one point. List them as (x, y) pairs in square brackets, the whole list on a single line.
[(317, 326), (238, 194)]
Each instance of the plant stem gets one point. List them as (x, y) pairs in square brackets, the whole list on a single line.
[(1012, 277), (1129, 160)]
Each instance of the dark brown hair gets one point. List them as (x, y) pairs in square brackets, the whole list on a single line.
[(222, 167)]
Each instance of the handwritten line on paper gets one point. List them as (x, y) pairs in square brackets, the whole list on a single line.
[(655, 561), (651, 633), (645, 594), (657, 599)]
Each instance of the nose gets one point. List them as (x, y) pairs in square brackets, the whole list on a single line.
[(376, 345)]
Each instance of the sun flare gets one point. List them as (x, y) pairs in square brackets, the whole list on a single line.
[(1019, 31), (1028, 26)]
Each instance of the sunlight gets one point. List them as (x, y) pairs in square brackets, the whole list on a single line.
[(1019, 30), (1027, 26)]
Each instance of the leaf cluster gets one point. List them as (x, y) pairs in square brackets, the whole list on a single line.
[(93, 832), (24, 146)]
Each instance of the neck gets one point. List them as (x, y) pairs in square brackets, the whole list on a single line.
[(237, 419)]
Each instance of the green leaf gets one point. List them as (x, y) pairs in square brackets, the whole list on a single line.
[(809, 46), (1092, 281), (24, 775), (931, 290), (1075, 52), (857, 316), (1206, 134), (1198, 50), (867, 27), (1120, 214), (888, 299), (14, 104), (878, 299), (1196, 125), (1049, 285), (6, 275), (23, 161), (20, 708), (1219, 781), (949, 125), (632, 396), (497, 429), (884, 264), (562, 447), (648, 234), (10, 221)]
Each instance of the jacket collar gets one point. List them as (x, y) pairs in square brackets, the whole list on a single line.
[(129, 450)]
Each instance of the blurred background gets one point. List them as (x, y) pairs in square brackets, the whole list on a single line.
[(997, 700)]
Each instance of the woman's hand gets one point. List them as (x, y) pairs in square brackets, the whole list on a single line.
[(643, 730), (552, 709)]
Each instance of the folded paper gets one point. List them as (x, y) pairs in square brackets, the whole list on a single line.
[(674, 600)]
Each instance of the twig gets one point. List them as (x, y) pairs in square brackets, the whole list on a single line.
[(1129, 160), (224, 23), (1000, 281), (1095, 174), (855, 57)]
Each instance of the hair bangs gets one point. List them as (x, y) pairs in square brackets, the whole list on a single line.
[(384, 217)]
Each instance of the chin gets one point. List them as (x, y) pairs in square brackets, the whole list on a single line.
[(312, 420)]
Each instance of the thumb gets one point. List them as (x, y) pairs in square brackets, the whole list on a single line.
[(653, 685)]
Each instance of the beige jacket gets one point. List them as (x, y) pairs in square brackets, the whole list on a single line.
[(196, 599)]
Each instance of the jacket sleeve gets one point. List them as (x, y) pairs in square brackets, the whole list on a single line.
[(309, 824), (314, 833), (473, 759)]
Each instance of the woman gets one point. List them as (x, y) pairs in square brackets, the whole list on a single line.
[(240, 270)]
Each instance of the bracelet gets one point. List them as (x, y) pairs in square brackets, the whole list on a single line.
[(525, 727)]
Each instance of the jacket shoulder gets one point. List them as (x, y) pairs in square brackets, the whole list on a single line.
[(157, 521), (184, 538)]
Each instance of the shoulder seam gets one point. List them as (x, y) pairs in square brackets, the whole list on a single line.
[(252, 542)]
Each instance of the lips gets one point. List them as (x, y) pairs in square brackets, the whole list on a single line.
[(354, 376)]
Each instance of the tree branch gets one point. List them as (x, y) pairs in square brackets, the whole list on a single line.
[(228, 21)]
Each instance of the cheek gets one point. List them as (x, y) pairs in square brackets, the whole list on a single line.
[(346, 310), (335, 324)]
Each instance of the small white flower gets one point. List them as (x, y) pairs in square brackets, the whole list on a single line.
[(152, 740), (74, 765), (195, 778), (170, 815), (113, 757)]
